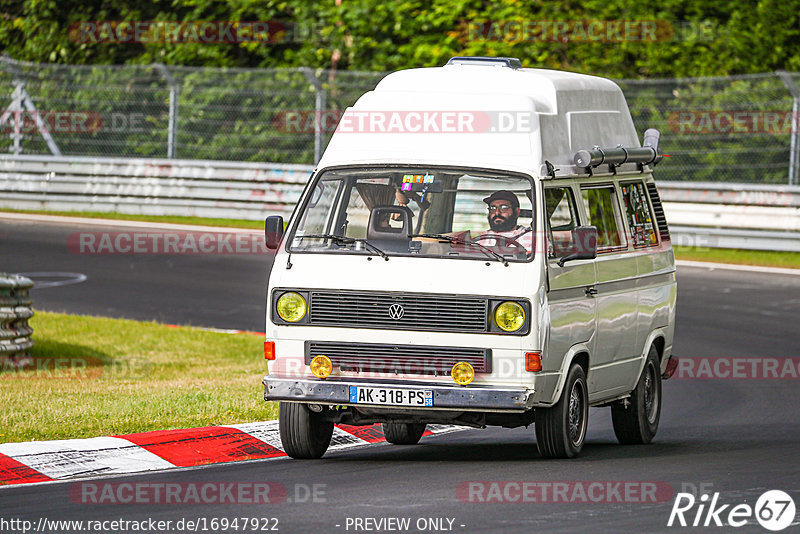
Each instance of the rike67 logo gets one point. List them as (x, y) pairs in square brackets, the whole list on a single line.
[(774, 510)]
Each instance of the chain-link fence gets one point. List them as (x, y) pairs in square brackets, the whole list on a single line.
[(179, 112), (728, 129)]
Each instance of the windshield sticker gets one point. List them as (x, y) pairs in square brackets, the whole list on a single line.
[(419, 183)]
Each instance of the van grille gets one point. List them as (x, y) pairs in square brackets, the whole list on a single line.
[(661, 219), (399, 358), (416, 311)]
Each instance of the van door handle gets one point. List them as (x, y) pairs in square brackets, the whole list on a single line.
[(591, 291)]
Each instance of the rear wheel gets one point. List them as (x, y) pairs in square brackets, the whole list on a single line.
[(403, 433), (561, 429), (304, 433), (636, 421)]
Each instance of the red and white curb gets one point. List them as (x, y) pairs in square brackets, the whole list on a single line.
[(44, 461)]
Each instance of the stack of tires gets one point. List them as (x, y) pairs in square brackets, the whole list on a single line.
[(15, 311)]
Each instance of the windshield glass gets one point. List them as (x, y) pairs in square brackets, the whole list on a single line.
[(431, 212)]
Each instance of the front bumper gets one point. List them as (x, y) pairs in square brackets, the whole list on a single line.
[(337, 391)]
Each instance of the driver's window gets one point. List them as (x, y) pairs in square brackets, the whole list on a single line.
[(562, 218), (318, 218)]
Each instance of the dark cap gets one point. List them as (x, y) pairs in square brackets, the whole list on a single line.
[(503, 195)]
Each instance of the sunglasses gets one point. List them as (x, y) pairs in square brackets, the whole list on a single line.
[(503, 207)]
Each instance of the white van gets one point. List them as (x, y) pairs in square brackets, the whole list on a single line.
[(481, 244)]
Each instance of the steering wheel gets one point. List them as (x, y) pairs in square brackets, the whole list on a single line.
[(502, 241)]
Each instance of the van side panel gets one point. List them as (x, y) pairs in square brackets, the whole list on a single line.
[(617, 349), (572, 312), (571, 308), (657, 293)]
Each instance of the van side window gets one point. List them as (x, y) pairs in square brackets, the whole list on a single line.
[(562, 218), (640, 218), (601, 205)]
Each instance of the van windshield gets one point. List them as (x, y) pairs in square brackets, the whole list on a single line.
[(431, 212)]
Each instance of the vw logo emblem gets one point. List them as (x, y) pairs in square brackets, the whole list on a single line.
[(396, 312)]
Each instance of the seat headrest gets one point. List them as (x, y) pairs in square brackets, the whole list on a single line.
[(379, 228)]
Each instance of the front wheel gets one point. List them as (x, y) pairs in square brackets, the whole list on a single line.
[(636, 421), (561, 429), (304, 433), (403, 433)]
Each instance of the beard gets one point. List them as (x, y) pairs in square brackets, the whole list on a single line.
[(498, 223)]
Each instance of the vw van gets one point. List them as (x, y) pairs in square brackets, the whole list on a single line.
[(480, 244)]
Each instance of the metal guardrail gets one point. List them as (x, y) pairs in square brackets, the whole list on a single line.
[(717, 215), (745, 216), (15, 310), (735, 238), (725, 193), (196, 188)]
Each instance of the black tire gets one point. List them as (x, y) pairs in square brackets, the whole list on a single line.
[(403, 433), (304, 434), (638, 422), (561, 429)]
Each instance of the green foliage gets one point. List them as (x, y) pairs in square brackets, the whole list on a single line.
[(694, 38), (695, 119), (238, 110)]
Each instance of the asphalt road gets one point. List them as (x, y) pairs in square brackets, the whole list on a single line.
[(215, 290), (738, 437)]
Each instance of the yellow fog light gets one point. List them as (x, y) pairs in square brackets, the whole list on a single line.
[(462, 373), (509, 316), (291, 307), (321, 366)]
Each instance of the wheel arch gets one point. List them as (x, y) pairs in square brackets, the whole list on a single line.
[(577, 353), (657, 339)]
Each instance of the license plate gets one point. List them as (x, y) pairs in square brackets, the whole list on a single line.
[(390, 396)]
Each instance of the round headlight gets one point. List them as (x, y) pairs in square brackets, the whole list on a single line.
[(509, 316), (291, 307), (462, 373), (321, 366)]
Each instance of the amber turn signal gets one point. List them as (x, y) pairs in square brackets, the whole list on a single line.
[(533, 361)]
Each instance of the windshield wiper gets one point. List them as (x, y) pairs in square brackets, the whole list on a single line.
[(342, 240), (456, 241)]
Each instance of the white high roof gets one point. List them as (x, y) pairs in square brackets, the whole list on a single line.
[(565, 111)]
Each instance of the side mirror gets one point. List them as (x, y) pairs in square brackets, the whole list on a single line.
[(273, 231), (584, 239)]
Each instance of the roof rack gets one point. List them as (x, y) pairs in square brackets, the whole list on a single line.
[(510, 62)]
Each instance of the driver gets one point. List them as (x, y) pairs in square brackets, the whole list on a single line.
[(503, 214)]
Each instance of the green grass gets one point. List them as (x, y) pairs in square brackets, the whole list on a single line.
[(118, 376), (173, 219), (766, 258)]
